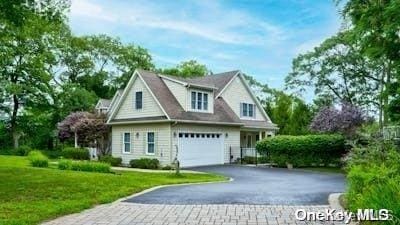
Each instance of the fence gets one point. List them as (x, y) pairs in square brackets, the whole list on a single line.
[(391, 133)]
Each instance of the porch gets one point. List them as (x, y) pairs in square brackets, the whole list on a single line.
[(249, 139)]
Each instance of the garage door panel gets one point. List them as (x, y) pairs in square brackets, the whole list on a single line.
[(196, 149)]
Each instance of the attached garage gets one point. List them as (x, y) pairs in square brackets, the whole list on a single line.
[(199, 149)]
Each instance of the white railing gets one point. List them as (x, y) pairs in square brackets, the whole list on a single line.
[(391, 132), (249, 152)]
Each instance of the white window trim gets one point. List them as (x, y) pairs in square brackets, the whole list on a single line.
[(248, 104), (147, 143), (202, 102), (124, 142)]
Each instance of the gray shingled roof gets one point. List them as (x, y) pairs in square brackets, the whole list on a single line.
[(104, 103), (222, 112), (217, 81)]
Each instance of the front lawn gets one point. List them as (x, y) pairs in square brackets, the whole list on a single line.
[(31, 195)]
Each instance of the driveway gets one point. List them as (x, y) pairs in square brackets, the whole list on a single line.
[(251, 185)]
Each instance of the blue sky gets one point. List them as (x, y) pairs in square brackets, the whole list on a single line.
[(258, 37)]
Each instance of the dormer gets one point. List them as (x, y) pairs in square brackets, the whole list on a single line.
[(193, 97)]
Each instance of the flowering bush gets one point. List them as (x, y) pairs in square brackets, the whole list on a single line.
[(345, 120)]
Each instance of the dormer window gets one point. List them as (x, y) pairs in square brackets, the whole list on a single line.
[(247, 110), (199, 101)]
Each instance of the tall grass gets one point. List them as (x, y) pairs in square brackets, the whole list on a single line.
[(84, 166), (37, 159)]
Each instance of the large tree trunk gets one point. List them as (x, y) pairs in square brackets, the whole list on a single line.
[(14, 131)]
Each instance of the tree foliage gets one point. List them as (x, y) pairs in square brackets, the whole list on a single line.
[(187, 69), (345, 120), (86, 128)]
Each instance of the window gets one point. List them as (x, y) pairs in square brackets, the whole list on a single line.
[(250, 108), (127, 143), (150, 143), (247, 110), (205, 101), (193, 100), (138, 100), (199, 101)]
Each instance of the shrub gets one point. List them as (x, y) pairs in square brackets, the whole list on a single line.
[(145, 163), (374, 179), (113, 161), (167, 167), (84, 166), (37, 159), (64, 164), (22, 150), (306, 150), (76, 153), (52, 154)]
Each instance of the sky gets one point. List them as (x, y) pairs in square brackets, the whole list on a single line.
[(258, 37)]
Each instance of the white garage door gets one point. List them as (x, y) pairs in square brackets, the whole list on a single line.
[(199, 149)]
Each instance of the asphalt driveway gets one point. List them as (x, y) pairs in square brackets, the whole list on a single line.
[(251, 185)]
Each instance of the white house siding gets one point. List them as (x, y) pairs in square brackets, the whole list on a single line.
[(237, 93), (178, 90), (232, 141), (150, 107), (139, 143)]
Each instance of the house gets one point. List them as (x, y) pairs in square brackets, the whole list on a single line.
[(104, 105), (199, 121)]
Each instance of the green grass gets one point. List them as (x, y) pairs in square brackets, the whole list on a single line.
[(325, 169), (31, 195)]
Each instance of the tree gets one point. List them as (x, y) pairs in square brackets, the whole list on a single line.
[(101, 63), (338, 69), (290, 113), (86, 129), (186, 69), (376, 25), (74, 98), (27, 51), (69, 127), (332, 120)]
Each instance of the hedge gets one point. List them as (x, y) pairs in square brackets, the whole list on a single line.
[(302, 151), (76, 153), (84, 166), (113, 161), (145, 163)]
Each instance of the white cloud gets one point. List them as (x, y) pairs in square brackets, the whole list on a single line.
[(85, 8), (210, 21)]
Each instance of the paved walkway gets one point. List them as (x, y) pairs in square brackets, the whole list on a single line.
[(122, 213)]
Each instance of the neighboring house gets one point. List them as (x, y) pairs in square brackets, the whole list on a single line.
[(201, 121), (104, 105)]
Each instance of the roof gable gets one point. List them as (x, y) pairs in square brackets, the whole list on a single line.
[(124, 108), (238, 91)]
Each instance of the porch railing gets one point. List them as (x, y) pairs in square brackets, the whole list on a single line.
[(249, 152)]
